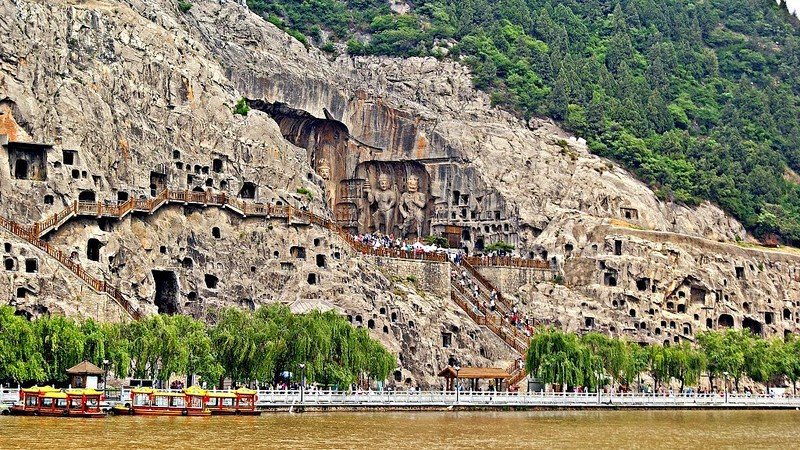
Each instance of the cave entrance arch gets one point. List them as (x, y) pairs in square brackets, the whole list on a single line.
[(725, 320), (86, 196), (752, 325), (248, 191), (93, 249), (166, 292)]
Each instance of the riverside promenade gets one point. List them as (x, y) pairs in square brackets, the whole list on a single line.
[(320, 400)]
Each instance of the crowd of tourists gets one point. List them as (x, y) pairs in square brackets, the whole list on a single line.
[(377, 240)]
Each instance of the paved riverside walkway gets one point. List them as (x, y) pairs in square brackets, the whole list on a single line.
[(509, 400), (286, 400)]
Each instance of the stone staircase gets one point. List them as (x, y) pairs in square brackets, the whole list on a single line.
[(477, 310), (480, 312), (99, 286)]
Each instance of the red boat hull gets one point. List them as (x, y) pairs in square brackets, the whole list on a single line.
[(235, 412), (165, 411), (20, 411)]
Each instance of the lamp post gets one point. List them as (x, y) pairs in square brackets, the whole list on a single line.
[(302, 383), (725, 374), (598, 386), (106, 365), (458, 384)]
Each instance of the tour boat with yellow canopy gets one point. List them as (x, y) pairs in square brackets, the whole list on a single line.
[(49, 401), (242, 401), (152, 402)]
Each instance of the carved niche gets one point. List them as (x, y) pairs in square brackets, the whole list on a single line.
[(390, 197)]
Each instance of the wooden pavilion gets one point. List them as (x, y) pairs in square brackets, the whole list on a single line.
[(84, 375), (474, 375)]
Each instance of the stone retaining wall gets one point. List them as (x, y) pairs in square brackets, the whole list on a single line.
[(510, 279), (433, 276)]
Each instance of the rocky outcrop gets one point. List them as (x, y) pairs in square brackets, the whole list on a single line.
[(125, 98)]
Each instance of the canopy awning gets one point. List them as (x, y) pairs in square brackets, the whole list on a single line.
[(86, 392), (195, 391)]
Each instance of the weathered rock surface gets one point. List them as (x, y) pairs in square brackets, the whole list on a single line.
[(133, 96)]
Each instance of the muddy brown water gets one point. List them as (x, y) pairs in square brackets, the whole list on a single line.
[(415, 430)]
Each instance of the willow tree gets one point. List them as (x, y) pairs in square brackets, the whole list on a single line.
[(155, 347), (637, 363), (94, 342), (659, 365), (61, 342), (613, 354), (117, 349), (788, 359), (20, 359), (243, 345), (196, 356), (558, 357), (686, 363), (725, 352)]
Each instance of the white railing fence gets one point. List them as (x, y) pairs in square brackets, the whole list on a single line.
[(287, 398)]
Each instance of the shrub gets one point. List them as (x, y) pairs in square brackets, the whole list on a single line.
[(241, 108), (184, 6)]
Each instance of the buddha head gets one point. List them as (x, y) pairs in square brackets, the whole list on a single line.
[(384, 182), (324, 170), (413, 183)]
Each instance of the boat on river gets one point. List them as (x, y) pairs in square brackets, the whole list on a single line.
[(152, 402), (51, 402), (242, 402)]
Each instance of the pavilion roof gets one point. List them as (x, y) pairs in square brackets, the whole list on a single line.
[(482, 373), (85, 368)]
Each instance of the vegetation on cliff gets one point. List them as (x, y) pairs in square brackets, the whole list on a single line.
[(700, 99), (565, 358), (244, 346)]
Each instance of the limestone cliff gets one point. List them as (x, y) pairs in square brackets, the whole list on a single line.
[(110, 100)]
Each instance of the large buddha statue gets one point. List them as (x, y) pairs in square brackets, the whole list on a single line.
[(324, 171), (412, 206), (386, 199)]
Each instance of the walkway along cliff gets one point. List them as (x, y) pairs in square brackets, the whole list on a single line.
[(492, 320)]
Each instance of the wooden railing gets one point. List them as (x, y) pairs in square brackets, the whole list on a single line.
[(494, 320), (477, 310), (98, 285), (487, 285), (516, 376), (507, 261), (473, 311)]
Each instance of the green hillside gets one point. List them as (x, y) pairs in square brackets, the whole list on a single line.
[(700, 99)]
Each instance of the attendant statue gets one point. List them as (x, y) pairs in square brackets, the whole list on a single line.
[(386, 199), (330, 186), (412, 206)]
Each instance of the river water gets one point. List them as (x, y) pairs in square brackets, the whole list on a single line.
[(415, 430)]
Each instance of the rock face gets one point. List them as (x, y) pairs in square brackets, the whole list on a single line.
[(110, 100)]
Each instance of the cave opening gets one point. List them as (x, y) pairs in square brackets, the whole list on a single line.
[(211, 281), (752, 325), (21, 169), (248, 191), (166, 293), (725, 320), (86, 196), (93, 249)]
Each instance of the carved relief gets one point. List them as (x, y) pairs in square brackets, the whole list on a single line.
[(384, 209)]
